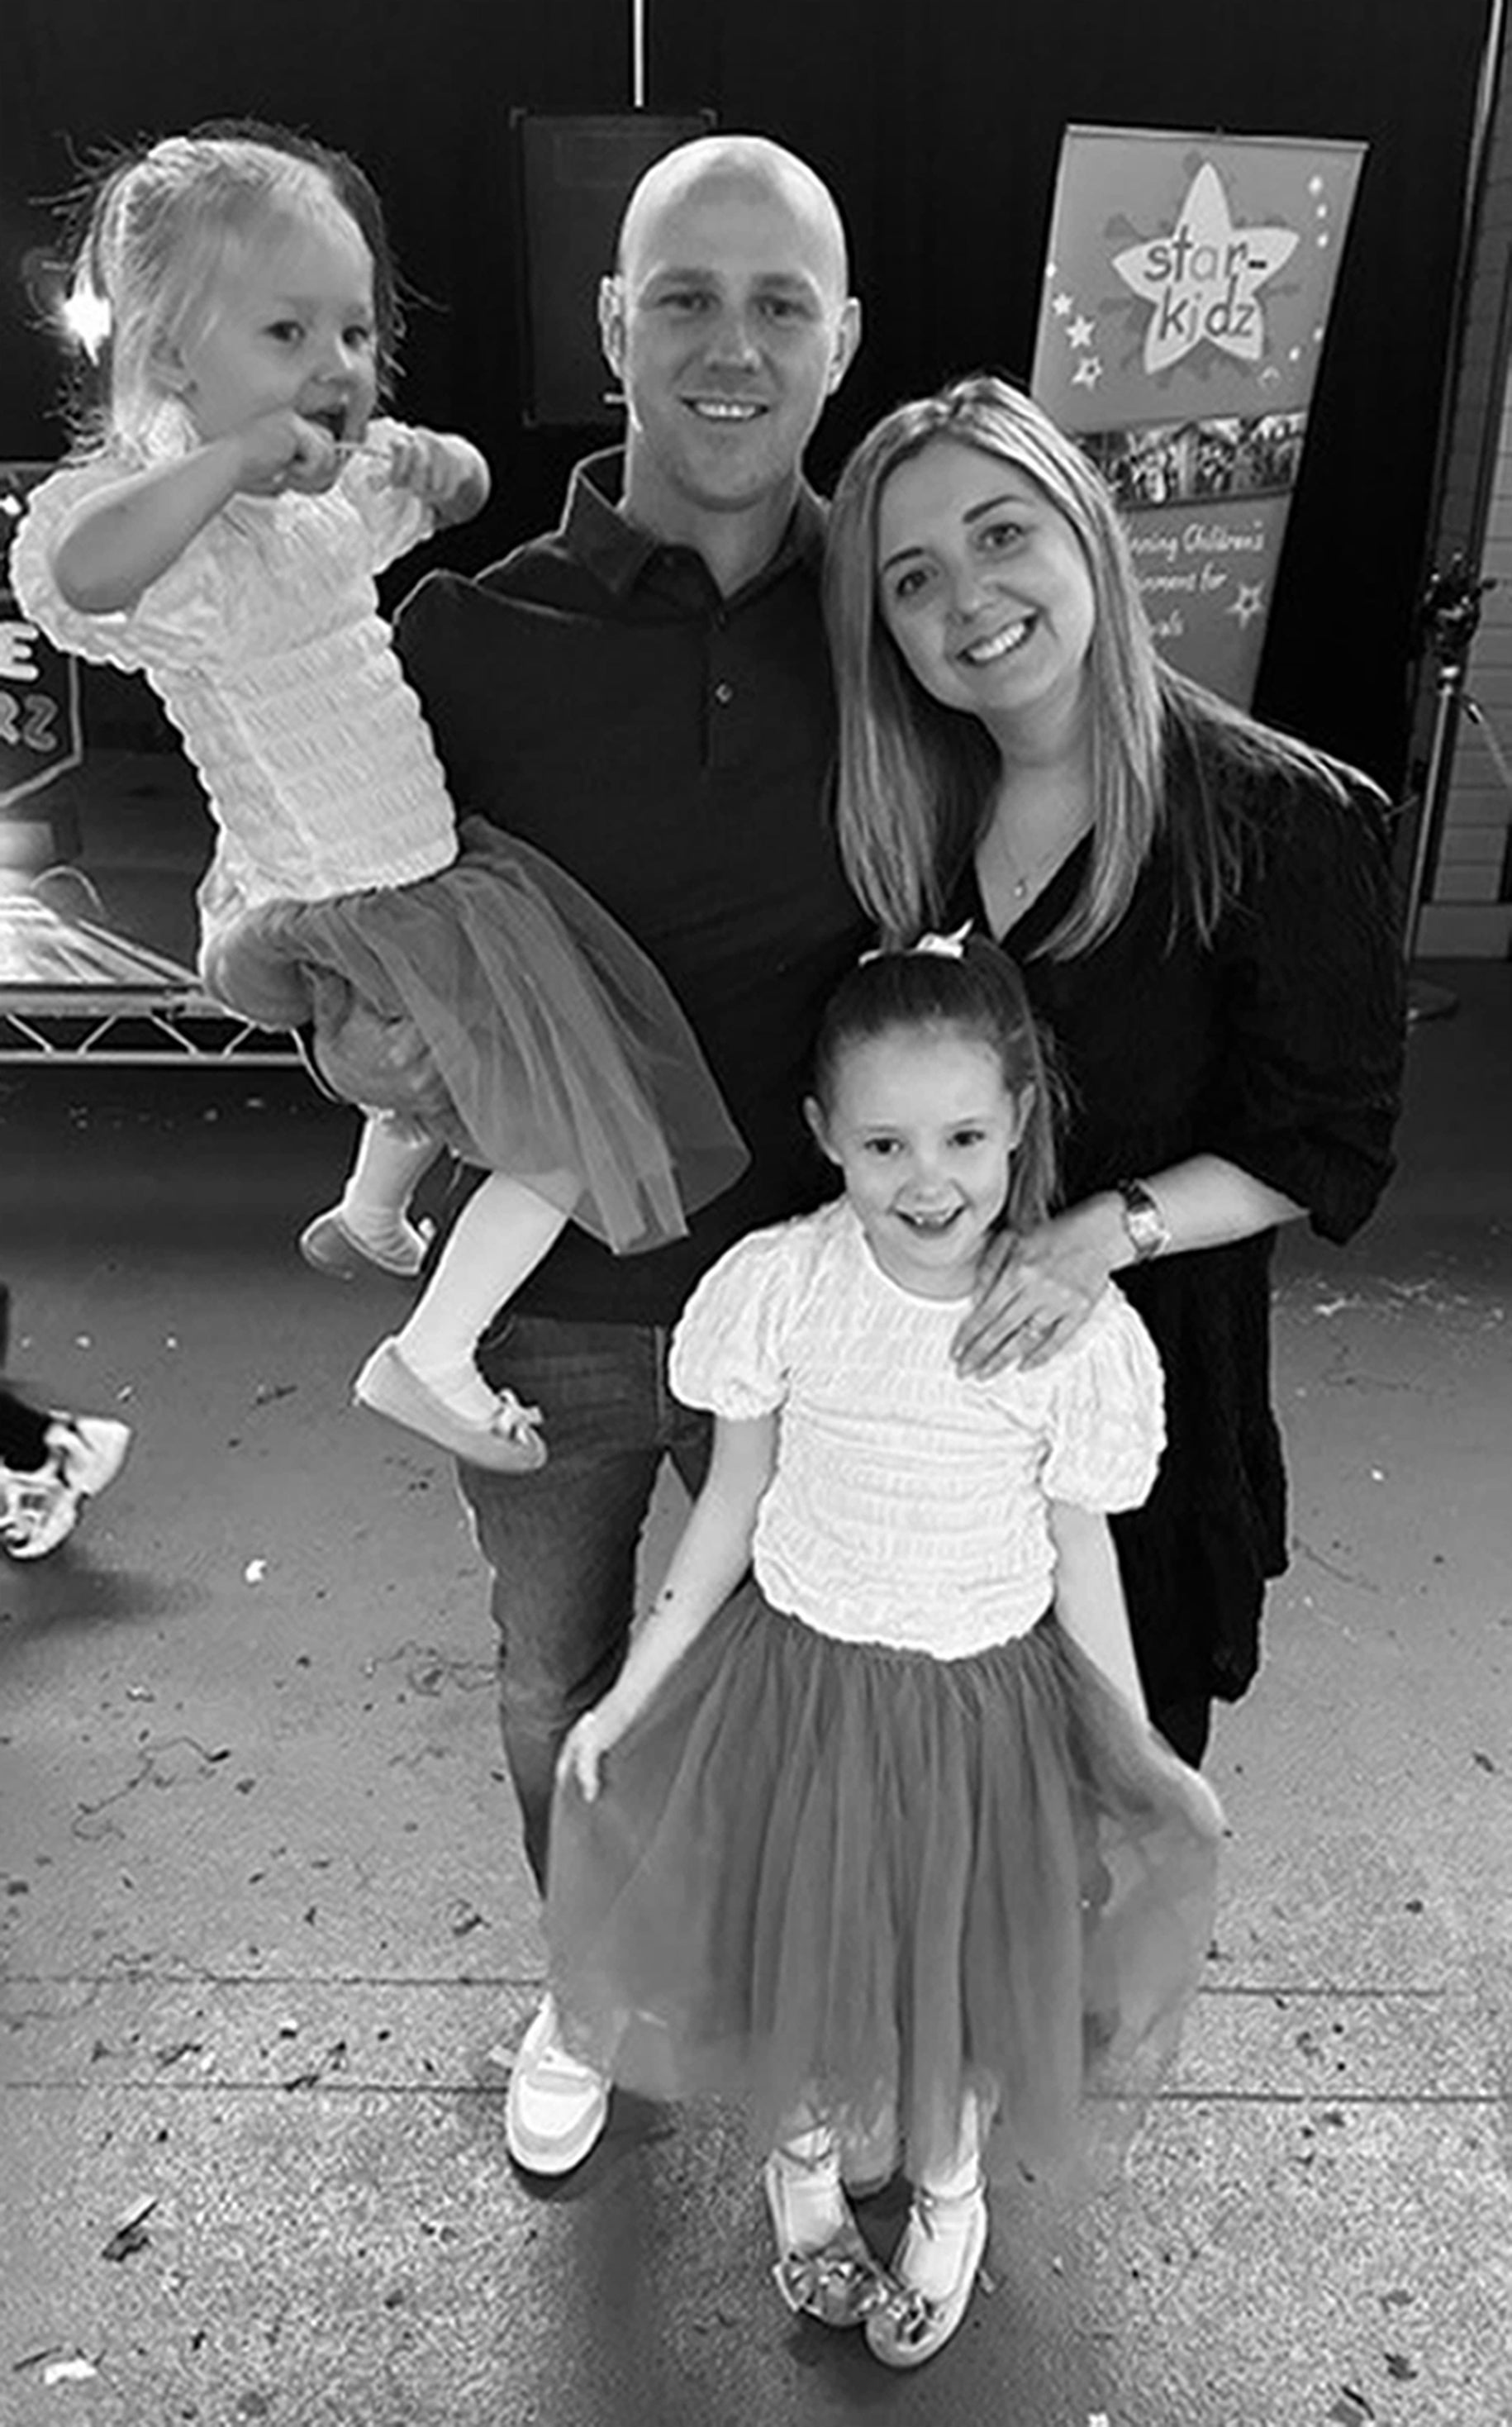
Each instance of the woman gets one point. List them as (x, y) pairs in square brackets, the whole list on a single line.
[(1204, 915)]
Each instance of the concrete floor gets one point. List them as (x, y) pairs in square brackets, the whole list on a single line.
[(263, 1910)]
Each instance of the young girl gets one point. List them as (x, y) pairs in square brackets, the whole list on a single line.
[(879, 1837), (222, 538)]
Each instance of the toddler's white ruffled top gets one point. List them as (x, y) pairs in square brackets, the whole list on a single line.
[(265, 646), (908, 1505)]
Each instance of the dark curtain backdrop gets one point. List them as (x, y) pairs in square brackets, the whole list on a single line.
[(939, 122)]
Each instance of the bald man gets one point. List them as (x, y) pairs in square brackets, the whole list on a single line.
[(644, 694), (728, 324)]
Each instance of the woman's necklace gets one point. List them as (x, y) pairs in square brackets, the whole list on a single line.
[(1018, 879)]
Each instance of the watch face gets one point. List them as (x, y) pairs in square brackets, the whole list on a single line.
[(1142, 1220)]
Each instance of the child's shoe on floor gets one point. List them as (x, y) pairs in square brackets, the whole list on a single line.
[(824, 2268), (39, 1509), (934, 2269)]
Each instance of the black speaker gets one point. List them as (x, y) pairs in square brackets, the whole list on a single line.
[(575, 177)]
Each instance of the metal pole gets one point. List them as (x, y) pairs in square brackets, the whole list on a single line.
[(1488, 93), (1447, 695), (638, 54), (1451, 604), (1450, 612)]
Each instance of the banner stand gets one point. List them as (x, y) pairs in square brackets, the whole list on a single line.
[(1451, 617), (1187, 292)]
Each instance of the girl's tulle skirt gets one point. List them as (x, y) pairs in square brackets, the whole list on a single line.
[(552, 1047), (840, 1880)]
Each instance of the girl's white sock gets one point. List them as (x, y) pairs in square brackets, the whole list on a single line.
[(813, 2196), (943, 2219), (500, 1236), (393, 1157)]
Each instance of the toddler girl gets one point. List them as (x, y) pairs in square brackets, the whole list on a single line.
[(222, 537), (879, 1837)]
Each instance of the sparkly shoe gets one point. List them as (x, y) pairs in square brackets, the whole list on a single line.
[(841, 2282), (916, 2324)]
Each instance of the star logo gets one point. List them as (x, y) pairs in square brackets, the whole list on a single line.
[(1080, 331), (1087, 372), (1203, 279), (1250, 601)]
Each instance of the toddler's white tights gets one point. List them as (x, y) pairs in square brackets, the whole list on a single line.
[(499, 1237)]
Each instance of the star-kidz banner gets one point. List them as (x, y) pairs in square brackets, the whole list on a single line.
[(40, 736), (1186, 295)]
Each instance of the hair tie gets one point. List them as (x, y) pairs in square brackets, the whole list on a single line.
[(946, 947)]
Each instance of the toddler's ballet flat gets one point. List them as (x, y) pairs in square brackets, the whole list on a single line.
[(508, 1444), (914, 2325), (841, 2284), (330, 1245)]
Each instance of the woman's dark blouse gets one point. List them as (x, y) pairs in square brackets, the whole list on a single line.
[(1277, 1045)]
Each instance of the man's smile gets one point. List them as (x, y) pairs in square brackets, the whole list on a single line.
[(724, 408)]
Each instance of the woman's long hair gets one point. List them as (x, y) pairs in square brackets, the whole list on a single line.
[(917, 779)]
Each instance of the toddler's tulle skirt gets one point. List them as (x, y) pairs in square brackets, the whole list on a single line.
[(837, 1879), (552, 1047)]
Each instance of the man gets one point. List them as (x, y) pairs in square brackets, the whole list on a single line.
[(645, 695)]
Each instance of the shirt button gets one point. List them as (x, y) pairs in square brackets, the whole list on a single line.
[(723, 692)]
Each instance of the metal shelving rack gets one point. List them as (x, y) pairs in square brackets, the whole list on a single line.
[(71, 992)]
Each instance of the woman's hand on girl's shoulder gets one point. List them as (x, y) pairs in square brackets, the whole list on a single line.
[(1034, 1292)]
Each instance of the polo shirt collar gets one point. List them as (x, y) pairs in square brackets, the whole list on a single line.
[(617, 552)]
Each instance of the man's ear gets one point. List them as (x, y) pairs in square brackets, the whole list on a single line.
[(846, 338), (814, 1115), (612, 322)]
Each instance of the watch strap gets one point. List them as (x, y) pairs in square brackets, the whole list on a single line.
[(1144, 1221)]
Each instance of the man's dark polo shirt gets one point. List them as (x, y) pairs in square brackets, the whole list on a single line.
[(672, 749)]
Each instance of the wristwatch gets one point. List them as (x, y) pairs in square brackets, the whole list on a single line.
[(1143, 1220)]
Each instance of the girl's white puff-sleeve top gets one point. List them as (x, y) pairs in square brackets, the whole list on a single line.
[(265, 646), (909, 1505)]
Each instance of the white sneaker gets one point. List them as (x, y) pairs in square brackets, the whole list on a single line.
[(91, 1450), (557, 2106), (37, 1510)]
